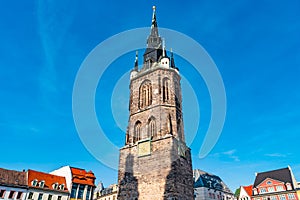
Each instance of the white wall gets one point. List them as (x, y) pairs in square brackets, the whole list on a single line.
[(244, 195), (65, 172)]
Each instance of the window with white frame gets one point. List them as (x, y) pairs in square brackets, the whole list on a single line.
[(88, 192), (42, 184), (30, 195), (74, 190), (282, 197), (40, 196), (11, 194), (279, 188), (262, 190), (273, 198), (34, 182), (61, 186), (80, 191), (288, 186), (2, 193), (55, 186), (291, 196), (19, 195), (255, 191), (271, 189), (49, 197)]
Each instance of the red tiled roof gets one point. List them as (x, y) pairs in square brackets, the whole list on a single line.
[(11, 177), (81, 176), (49, 179), (248, 189)]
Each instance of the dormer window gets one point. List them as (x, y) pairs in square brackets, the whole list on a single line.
[(62, 187), (55, 186), (255, 191), (41, 184), (288, 186), (34, 182)]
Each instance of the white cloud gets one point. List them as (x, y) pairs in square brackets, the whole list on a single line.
[(228, 154), (278, 155)]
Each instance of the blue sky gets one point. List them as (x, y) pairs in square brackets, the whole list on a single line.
[(255, 45)]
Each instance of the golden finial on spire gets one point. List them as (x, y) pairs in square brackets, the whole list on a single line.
[(154, 8)]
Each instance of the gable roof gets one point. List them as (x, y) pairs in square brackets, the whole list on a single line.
[(248, 189), (284, 175), (12, 178), (49, 180)]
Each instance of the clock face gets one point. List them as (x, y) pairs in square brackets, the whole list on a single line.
[(144, 148)]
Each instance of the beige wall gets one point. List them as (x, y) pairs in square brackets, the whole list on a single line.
[(112, 196)]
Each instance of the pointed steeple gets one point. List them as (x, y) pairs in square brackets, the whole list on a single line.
[(154, 41), (136, 62), (154, 49), (154, 30)]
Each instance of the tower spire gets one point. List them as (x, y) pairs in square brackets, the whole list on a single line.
[(154, 23), (154, 41), (154, 49)]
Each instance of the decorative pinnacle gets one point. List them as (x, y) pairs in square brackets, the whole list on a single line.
[(154, 8), (172, 59), (164, 47), (136, 62)]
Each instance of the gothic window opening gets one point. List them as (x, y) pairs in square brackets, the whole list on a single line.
[(169, 125), (152, 127), (166, 90), (137, 131), (145, 96)]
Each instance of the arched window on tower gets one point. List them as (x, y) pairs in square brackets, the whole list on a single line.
[(145, 94), (137, 131), (166, 89), (151, 127)]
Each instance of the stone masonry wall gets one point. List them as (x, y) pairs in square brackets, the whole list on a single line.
[(162, 175)]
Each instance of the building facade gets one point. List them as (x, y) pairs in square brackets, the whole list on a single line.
[(97, 190), (210, 187), (81, 183), (155, 162), (278, 184), (44, 186), (245, 193), (13, 184), (109, 193)]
